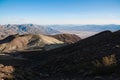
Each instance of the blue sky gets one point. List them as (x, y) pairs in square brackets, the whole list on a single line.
[(60, 11)]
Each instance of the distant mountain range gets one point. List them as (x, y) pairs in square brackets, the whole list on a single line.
[(82, 31), (6, 30)]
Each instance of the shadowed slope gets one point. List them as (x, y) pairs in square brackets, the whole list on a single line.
[(93, 58), (76, 57)]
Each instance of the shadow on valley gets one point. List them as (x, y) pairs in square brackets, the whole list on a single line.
[(94, 58), (7, 39)]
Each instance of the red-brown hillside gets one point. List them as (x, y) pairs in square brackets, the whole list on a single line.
[(67, 38)]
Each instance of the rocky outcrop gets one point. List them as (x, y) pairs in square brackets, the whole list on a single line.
[(6, 72)]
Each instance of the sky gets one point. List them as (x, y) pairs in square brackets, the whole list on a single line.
[(60, 11)]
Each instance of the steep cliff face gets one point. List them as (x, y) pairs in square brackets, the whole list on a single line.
[(67, 38)]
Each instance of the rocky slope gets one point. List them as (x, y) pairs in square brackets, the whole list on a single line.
[(67, 38), (28, 42)]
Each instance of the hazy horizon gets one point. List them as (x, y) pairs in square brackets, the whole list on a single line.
[(46, 12), (56, 24)]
